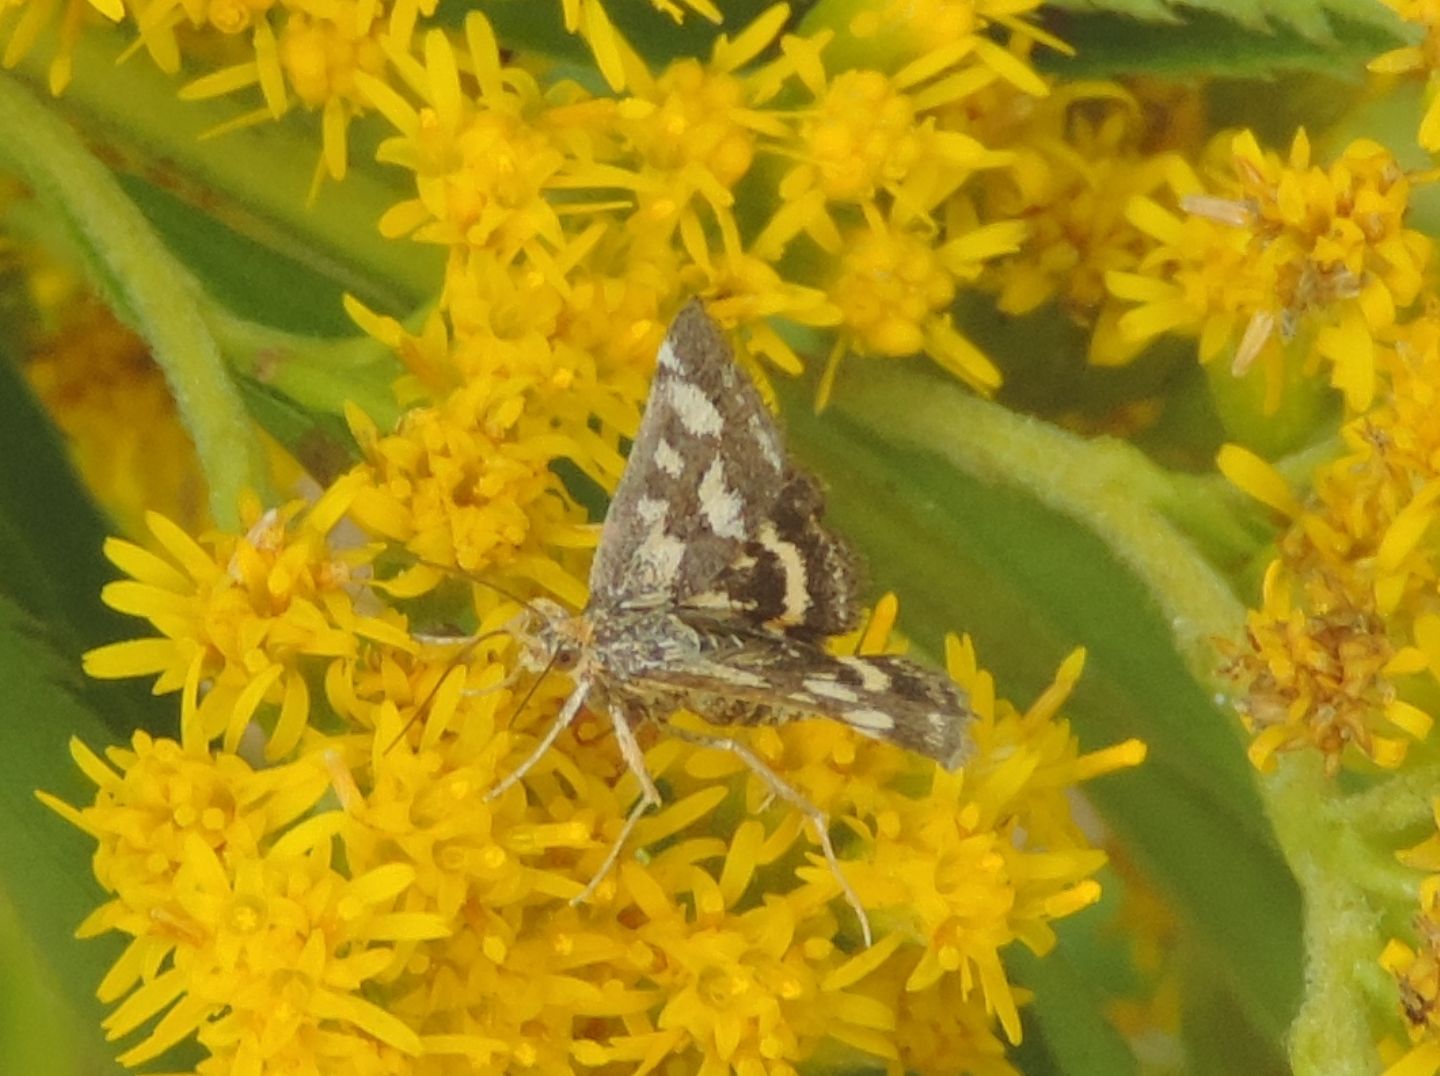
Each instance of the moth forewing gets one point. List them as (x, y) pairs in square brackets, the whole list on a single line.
[(715, 582)]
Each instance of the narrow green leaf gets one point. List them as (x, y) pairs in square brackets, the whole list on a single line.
[(257, 280), (1217, 1040), (142, 282), (1224, 44), (320, 442), (45, 878), (1064, 1013), (35, 1035), (51, 565), (1072, 987)]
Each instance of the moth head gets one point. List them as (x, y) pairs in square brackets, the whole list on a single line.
[(553, 638)]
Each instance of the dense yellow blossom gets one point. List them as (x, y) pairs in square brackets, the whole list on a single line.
[(313, 873), (1347, 618), (242, 618), (460, 486), (1082, 154), (266, 947), (864, 135), (1286, 254), (1421, 58), (361, 900), (422, 923)]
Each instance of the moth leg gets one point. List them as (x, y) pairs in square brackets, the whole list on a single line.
[(561, 723), (641, 806), (779, 787), (634, 758), (620, 720)]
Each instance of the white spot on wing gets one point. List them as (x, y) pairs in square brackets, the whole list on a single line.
[(869, 720), (668, 460), (721, 504), (716, 599), (651, 511), (829, 689), (667, 357), (696, 411), (730, 675), (872, 678), (660, 557)]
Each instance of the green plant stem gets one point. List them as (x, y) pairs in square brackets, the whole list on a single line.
[(255, 180), (1331, 1035), (143, 284)]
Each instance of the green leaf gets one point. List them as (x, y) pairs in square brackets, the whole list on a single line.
[(258, 280), (1225, 38), (1072, 985), (51, 565), (143, 284), (321, 443), (1035, 542), (46, 886), (1216, 1038)]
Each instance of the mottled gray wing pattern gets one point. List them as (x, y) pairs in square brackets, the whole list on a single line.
[(740, 680), (709, 514)]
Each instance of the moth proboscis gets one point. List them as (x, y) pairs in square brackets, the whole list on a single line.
[(713, 589)]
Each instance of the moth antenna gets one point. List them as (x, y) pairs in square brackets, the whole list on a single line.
[(504, 592), (469, 648), (465, 652), (481, 692), (864, 630)]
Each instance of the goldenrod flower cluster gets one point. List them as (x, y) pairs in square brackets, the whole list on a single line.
[(356, 899), (1286, 256), (311, 875)]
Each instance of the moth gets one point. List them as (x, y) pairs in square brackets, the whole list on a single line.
[(713, 588)]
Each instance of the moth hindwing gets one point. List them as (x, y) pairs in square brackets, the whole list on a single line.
[(715, 584)]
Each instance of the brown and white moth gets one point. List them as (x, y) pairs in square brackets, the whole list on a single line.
[(714, 587)]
